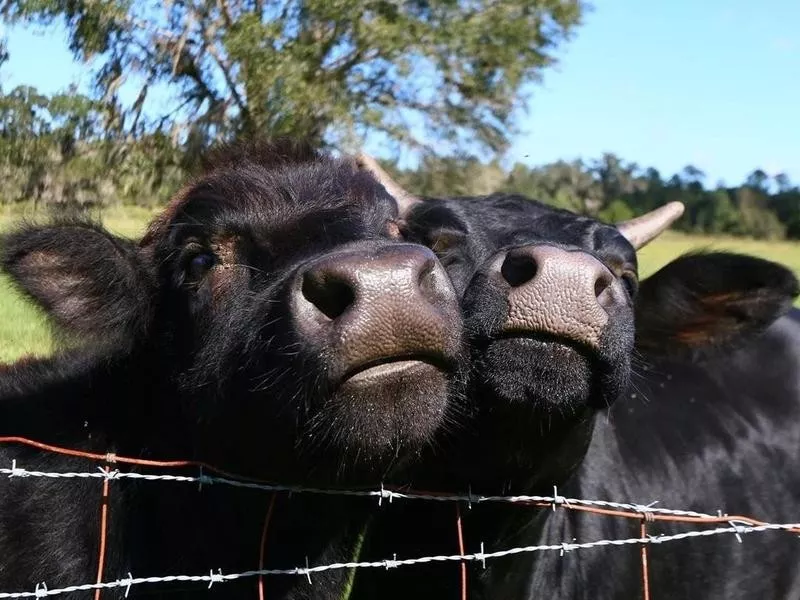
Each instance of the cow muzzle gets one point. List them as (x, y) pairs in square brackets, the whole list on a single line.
[(383, 312), (565, 294)]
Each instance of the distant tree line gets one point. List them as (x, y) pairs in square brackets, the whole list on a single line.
[(65, 149), (763, 206)]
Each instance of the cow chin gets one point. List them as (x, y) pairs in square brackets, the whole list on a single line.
[(384, 414), (545, 374)]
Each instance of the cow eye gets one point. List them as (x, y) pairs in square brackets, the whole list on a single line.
[(444, 241), (199, 265), (631, 283)]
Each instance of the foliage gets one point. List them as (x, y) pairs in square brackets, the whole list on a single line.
[(324, 70), (58, 150), (327, 70), (614, 190)]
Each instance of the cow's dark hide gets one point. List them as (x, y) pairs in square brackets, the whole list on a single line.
[(700, 414), (270, 323)]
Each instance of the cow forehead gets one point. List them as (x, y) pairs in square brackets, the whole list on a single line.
[(512, 220), (263, 202), (556, 227)]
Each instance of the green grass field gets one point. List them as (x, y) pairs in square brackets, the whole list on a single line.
[(24, 331)]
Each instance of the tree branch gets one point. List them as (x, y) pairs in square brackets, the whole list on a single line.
[(208, 32)]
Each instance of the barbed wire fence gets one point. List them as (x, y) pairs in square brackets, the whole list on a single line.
[(645, 514)]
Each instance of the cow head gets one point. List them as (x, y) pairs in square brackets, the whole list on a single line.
[(274, 297), (555, 312)]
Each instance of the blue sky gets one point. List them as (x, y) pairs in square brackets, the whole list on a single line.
[(714, 83)]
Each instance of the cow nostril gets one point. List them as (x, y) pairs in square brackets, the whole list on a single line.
[(332, 297), (601, 284), (518, 270)]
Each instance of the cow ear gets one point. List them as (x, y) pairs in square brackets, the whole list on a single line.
[(706, 302), (93, 285)]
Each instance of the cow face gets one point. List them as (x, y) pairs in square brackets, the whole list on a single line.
[(555, 314), (547, 298), (274, 293)]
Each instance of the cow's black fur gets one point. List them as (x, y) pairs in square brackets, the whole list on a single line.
[(708, 421), (714, 435), (187, 353)]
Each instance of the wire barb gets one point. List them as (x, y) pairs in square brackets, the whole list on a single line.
[(481, 557), (215, 577), (14, 471), (127, 582)]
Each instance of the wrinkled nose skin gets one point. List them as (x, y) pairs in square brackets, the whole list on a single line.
[(375, 309), (563, 293)]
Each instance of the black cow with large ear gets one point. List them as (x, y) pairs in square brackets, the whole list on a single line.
[(555, 311), (556, 318), (270, 323)]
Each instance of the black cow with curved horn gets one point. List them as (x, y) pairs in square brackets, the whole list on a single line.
[(681, 388), (270, 324)]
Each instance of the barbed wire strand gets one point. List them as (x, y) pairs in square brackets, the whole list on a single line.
[(219, 577), (246, 482), (617, 509), (645, 514)]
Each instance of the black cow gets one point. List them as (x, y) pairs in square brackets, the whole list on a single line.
[(553, 308), (270, 323)]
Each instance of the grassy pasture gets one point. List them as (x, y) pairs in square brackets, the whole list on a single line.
[(23, 329)]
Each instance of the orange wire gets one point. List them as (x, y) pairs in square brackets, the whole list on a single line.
[(460, 531), (645, 576), (103, 534)]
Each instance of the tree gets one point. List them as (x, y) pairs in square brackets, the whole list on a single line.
[(715, 213), (783, 182), (616, 178), (693, 176), (615, 212), (756, 219), (325, 69), (758, 180), (571, 185)]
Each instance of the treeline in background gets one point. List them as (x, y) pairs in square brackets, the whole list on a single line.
[(57, 151), (445, 80)]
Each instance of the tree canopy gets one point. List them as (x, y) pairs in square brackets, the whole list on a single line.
[(448, 76), (423, 73)]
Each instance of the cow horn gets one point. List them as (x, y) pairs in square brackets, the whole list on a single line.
[(644, 229), (405, 200)]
